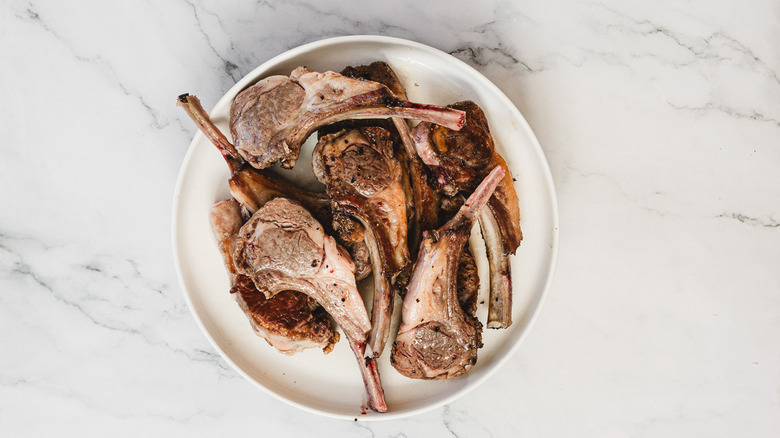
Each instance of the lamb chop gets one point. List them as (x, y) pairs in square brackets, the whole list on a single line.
[(363, 179), (253, 188), (282, 247), (271, 119), (459, 161), (289, 321), (436, 339), (423, 201)]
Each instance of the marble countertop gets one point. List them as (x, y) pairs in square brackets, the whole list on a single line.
[(661, 125)]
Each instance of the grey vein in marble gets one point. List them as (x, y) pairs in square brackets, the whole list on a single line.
[(230, 68), (706, 47), (97, 60), (482, 56), (459, 423), (710, 107), (747, 220), (91, 306), (361, 426)]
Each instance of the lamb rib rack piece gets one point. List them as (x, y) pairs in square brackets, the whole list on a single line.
[(271, 119), (364, 180), (459, 160), (437, 339), (424, 200), (382, 73), (289, 321), (282, 247), (252, 188)]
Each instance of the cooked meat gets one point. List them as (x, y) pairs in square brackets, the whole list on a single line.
[(253, 188), (431, 210), (459, 160), (467, 281), (426, 200), (258, 187), (282, 247), (422, 200), (363, 179), (377, 72), (225, 219), (425, 206), (289, 321), (437, 339), (271, 119)]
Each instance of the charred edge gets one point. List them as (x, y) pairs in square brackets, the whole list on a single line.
[(392, 102), (183, 97), (368, 361), (443, 180)]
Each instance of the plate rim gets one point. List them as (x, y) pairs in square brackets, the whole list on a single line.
[(252, 77)]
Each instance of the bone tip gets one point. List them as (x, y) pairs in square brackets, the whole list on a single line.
[(499, 171), (379, 407), (462, 119), (499, 324), (376, 346)]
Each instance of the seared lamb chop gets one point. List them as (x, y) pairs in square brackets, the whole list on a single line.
[(282, 247), (289, 321), (436, 339), (271, 119), (459, 161), (364, 180), (253, 188), (424, 202)]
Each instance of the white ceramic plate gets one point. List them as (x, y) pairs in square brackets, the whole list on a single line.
[(331, 385)]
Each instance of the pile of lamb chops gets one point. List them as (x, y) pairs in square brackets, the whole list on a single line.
[(398, 204)]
